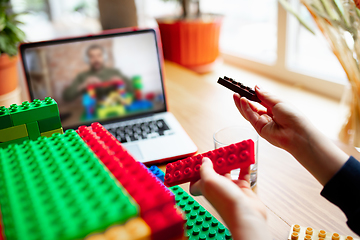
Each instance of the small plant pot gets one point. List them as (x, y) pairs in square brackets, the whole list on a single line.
[(8, 74), (191, 43)]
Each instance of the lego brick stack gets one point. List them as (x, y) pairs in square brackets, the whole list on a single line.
[(84, 185), (29, 121)]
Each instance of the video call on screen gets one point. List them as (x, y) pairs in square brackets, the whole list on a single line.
[(98, 79)]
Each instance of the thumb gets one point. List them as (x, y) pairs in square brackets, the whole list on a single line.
[(207, 169), (268, 100)]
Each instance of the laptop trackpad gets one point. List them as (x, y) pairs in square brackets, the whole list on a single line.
[(134, 151)]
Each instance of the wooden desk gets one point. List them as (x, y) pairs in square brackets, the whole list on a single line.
[(290, 193)]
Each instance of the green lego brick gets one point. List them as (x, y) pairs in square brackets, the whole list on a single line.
[(33, 130), (34, 111), (13, 133), (15, 141), (137, 82), (50, 133), (200, 224), (57, 189), (49, 124), (5, 119)]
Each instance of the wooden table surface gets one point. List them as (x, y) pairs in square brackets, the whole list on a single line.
[(289, 192)]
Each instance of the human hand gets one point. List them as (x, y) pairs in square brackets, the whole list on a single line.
[(283, 126), (240, 208), (279, 123), (88, 81)]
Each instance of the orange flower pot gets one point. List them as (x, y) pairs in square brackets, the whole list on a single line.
[(8, 74), (191, 43)]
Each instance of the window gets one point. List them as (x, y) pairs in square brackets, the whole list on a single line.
[(249, 28), (263, 37)]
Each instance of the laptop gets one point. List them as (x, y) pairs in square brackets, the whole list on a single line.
[(115, 78)]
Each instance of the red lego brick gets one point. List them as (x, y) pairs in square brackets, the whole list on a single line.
[(138, 181), (239, 155), (165, 223)]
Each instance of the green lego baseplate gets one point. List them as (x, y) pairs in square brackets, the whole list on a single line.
[(29, 121), (57, 189), (200, 224)]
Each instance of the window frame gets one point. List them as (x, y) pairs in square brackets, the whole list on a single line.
[(279, 70)]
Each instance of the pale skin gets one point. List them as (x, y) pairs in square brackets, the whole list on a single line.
[(283, 126)]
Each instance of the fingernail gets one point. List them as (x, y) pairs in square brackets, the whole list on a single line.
[(258, 87)]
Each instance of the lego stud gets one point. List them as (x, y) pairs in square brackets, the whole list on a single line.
[(220, 162), (202, 237), (322, 234), (169, 167), (36, 102), (13, 107), (244, 144), (177, 174), (25, 105), (205, 227), (196, 232), (309, 231), (232, 159), (187, 171), (220, 152), (197, 168), (294, 236), (2, 110), (48, 100), (335, 236), (244, 155), (212, 233), (168, 177), (349, 238), (178, 164), (307, 237), (296, 228)]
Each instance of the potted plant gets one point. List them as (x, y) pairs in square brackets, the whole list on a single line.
[(10, 37), (192, 39), (339, 22)]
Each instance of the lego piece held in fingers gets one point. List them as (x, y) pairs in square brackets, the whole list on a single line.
[(225, 159), (239, 88)]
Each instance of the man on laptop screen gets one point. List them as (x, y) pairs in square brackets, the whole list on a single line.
[(112, 78), (97, 73)]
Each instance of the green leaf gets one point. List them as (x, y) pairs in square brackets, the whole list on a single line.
[(290, 10), (2, 22)]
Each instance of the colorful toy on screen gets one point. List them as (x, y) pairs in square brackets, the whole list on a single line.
[(29, 121), (110, 98), (225, 159), (239, 88), (299, 233)]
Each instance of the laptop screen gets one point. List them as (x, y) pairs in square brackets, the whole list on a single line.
[(99, 78)]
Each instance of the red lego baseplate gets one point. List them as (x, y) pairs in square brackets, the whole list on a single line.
[(138, 181), (225, 159)]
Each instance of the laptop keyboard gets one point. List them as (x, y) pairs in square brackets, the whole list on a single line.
[(137, 131)]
